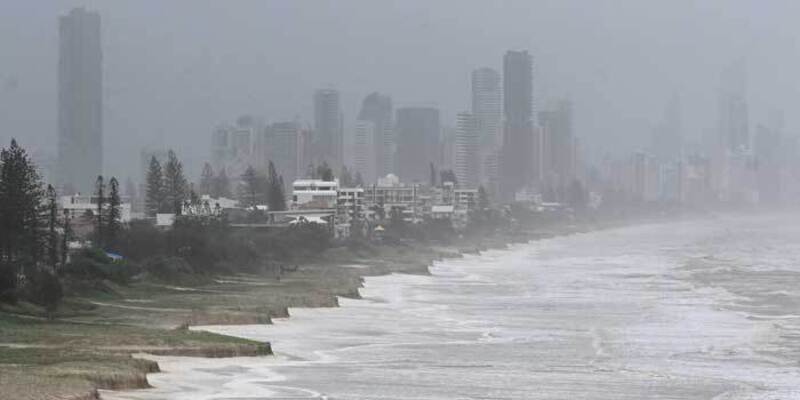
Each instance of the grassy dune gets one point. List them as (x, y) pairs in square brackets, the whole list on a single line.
[(89, 344), (40, 359)]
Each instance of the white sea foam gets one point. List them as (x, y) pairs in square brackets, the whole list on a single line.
[(689, 310)]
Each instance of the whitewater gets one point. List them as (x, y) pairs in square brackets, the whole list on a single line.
[(701, 309)]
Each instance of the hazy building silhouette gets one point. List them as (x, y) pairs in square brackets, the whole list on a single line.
[(467, 151), (80, 100), (377, 108), (668, 137), (417, 133), (364, 137), (767, 147), (235, 147), (487, 107), (734, 134), (730, 150), (285, 148), (447, 148), (328, 135), (557, 158), (518, 137)]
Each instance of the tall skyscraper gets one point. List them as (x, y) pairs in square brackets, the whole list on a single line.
[(488, 111), (80, 101), (734, 135), (730, 148), (364, 159), (467, 151), (487, 106), (667, 137), (377, 108), (417, 133), (557, 158), (518, 138), (328, 135), (284, 146)]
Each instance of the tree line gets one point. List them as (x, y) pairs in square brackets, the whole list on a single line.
[(257, 188), (34, 239), (168, 191), (28, 242), (167, 187)]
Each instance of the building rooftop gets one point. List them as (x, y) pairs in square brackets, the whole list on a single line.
[(315, 182)]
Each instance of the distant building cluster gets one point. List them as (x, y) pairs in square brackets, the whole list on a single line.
[(733, 167), (368, 206), (498, 144), (344, 208), (507, 142), (251, 143)]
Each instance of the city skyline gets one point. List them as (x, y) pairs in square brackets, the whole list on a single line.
[(189, 85), (410, 199), (535, 153)]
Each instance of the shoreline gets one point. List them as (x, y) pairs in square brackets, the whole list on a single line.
[(438, 253), (406, 323), (256, 299)]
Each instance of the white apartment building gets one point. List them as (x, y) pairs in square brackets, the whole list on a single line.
[(77, 205), (315, 193)]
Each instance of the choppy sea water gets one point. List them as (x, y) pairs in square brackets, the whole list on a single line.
[(686, 310)]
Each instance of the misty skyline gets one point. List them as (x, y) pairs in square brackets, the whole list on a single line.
[(175, 70)]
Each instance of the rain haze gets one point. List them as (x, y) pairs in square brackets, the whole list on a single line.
[(174, 70), (399, 200)]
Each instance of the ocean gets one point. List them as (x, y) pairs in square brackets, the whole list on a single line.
[(704, 309)]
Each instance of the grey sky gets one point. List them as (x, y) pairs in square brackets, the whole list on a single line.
[(174, 69)]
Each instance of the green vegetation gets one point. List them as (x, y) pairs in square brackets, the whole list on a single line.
[(261, 189), (155, 198), (25, 239), (70, 320)]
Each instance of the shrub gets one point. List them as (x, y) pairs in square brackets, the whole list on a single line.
[(173, 270), (8, 284), (142, 240), (93, 264), (44, 288)]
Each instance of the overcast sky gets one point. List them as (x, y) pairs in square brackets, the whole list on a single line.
[(175, 69)]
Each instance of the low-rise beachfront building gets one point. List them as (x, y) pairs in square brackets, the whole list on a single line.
[(389, 198), (349, 208), (389, 194), (78, 205), (350, 202), (466, 198), (442, 212), (450, 194), (165, 220), (315, 193), (443, 194), (210, 206)]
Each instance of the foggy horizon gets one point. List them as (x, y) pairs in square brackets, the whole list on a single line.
[(174, 71), (362, 199)]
